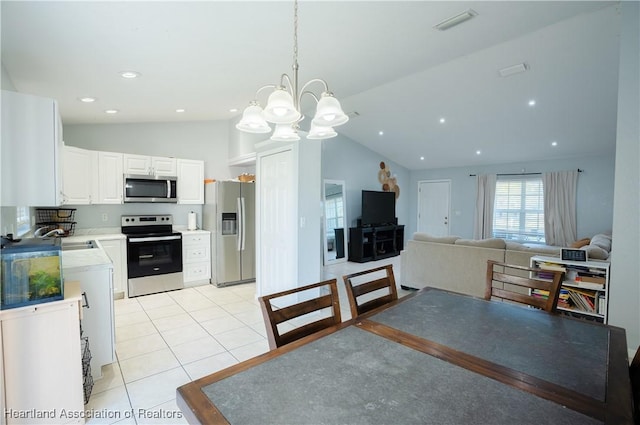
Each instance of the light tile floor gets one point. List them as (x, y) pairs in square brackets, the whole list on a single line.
[(166, 340)]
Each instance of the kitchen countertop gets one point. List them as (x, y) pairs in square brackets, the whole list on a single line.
[(90, 258)]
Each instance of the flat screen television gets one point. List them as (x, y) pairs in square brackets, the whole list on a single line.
[(378, 208)]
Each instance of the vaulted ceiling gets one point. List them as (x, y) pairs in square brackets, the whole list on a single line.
[(391, 69)]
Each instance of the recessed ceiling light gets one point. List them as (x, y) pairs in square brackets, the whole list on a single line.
[(381, 132), (111, 111), (87, 99), (422, 158), (442, 120), (532, 102), (554, 143), (233, 110), (478, 152), (129, 74), (180, 110)]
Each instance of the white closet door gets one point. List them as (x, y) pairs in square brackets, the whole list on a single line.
[(276, 220)]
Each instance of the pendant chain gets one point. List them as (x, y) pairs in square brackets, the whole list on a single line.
[(295, 32)]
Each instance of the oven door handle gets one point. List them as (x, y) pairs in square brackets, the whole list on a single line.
[(156, 238)]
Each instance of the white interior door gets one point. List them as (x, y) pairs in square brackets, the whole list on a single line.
[(434, 209), (276, 213)]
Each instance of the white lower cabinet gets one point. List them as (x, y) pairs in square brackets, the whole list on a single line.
[(116, 249), (42, 364), (196, 257), (96, 284)]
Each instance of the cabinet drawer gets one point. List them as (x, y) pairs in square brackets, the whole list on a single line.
[(195, 254), (196, 239), (197, 271)]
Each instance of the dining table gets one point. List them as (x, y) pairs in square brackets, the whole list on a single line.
[(432, 357)]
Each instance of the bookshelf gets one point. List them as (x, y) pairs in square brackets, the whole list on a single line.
[(585, 286)]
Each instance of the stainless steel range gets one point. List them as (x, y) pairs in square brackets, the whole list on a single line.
[(154, 254)]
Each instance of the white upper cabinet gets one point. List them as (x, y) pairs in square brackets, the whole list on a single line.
[(108, 186), (149, 165), (190, 181), (136, 164), (31, 146), (162, 166), (76, 176)]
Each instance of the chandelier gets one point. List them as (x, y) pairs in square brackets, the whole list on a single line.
[(283, 105)]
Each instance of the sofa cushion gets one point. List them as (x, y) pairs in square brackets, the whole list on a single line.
[(595, 252), (602, 241), (425, 237), (483, 243)]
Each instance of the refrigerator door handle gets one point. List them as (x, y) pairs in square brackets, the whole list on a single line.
[(240, 224)]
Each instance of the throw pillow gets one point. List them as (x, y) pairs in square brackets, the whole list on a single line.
[(602, 241), (580, 243), (595, 252)]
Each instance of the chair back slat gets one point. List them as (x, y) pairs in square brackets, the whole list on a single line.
[(503, 275), (360, 293), (634, 374), (295, 313), (305, 307)]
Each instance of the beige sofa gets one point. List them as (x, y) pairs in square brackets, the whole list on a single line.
[(460, 265)]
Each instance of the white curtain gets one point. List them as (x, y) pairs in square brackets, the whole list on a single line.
[(485, 196), (560, 227)]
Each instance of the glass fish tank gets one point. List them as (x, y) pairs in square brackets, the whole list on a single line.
[(31, 272)]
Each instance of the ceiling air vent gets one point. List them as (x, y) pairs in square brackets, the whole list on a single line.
[(513, 69), (455, 20)]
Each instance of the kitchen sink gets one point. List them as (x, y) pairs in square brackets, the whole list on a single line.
[(72, 246)]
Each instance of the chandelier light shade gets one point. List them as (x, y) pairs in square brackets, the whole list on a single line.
[(285, 133), (283, 105), (329, 113), (252, 120), (318, 132), (280, 108)]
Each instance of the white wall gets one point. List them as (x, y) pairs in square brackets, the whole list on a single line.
[(624, 303), (594, 203), (358, 166)]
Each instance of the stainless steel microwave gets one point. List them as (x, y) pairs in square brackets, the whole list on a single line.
[(143, 188)]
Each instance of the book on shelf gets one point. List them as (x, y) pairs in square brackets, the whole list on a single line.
[(552, 266), (583, 300)]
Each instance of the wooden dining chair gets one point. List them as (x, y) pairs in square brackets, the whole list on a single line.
[(507, 281), (634, 374), (365, 294), (296, 313)]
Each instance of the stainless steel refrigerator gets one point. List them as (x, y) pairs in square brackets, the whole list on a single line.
[(229, 213)]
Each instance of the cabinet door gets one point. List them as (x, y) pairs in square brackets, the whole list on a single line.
[(190, 181), (136, 164), (162, 166), (116, 250), (76, 176), (110, 186), (42, 360), (31, 149), (97, 318)]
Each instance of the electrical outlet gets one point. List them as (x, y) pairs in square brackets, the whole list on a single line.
[(105, 217)]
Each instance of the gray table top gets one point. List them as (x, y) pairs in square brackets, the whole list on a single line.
[(353, 376), (569, 353)]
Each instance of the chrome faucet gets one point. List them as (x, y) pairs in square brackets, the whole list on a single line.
[(39, 230)]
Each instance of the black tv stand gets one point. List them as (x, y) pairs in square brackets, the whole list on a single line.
[(375, 242)]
